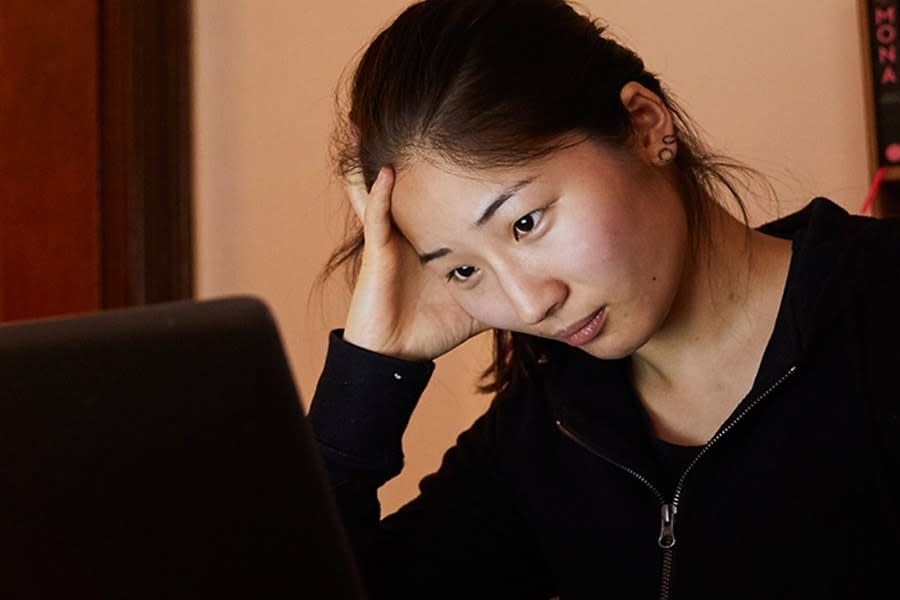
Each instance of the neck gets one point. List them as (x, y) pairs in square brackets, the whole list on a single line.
[(722, 314)]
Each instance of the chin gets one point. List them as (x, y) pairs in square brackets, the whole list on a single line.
[(608, 347), (607, 355)]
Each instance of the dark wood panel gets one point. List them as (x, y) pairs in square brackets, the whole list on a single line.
[(146, 152), (49, 250)]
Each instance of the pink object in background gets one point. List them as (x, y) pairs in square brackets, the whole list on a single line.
[(892, 153)]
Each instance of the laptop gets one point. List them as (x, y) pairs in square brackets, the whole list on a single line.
[(162, 452)]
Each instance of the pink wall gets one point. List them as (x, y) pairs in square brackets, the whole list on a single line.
[(776, 84)]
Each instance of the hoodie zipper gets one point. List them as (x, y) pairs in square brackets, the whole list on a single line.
[(668, 510)]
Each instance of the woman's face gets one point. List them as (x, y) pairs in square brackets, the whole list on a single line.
[(586, 245)]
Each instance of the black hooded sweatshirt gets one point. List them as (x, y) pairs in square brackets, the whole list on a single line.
[(562, 490)]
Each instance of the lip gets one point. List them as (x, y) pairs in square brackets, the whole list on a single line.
[(585, 330)]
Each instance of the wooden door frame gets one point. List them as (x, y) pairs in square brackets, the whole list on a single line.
[(146, 155)]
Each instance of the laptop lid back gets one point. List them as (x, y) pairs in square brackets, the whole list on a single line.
[(161, 452)]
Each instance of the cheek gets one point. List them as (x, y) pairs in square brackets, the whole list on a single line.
[(488, 307), (591, 259), (586, 253), (616, 249)]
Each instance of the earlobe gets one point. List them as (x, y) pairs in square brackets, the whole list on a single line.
[(651, 122)]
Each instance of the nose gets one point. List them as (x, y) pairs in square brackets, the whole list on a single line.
[(534, 296)]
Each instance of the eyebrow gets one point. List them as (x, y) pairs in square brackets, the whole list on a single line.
[(492, 208)]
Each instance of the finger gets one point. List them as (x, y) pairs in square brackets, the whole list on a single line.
[(377, 221), (355, 187)]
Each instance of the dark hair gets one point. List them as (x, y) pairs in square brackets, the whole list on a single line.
[(487, 83)]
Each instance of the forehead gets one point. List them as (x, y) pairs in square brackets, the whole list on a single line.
[(430, 194), (428, 185)]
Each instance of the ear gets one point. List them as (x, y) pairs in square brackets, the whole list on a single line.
[(651, 122)]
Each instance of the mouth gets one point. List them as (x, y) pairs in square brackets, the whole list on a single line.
[(584, 330)]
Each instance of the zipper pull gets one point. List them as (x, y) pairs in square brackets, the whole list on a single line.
[(667, 526)]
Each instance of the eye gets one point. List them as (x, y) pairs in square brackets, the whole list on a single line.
[(524, 225), (461, 274)]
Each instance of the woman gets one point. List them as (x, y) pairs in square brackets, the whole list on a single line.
[(685, 407)]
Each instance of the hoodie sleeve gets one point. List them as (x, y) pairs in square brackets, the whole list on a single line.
[(458, 538)]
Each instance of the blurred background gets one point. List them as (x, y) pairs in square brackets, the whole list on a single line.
[(157, 151)]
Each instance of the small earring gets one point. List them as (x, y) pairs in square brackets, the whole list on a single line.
[(666, 154)]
